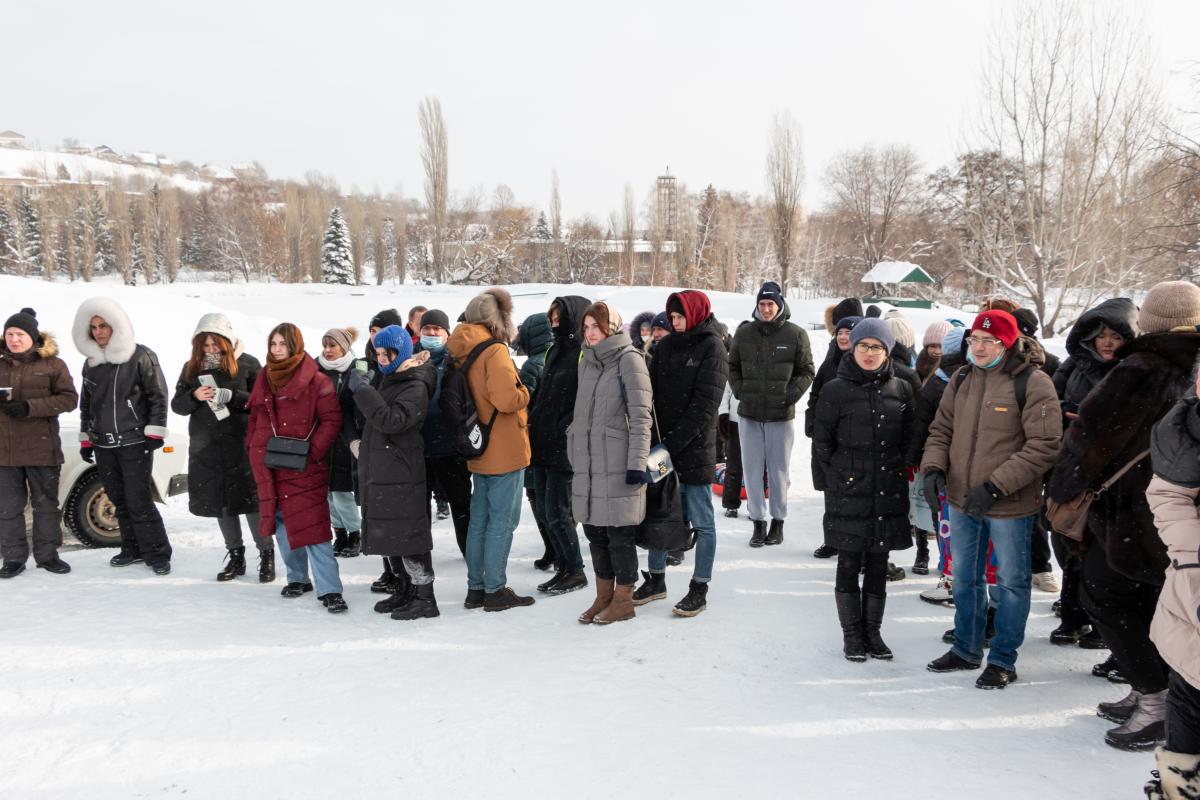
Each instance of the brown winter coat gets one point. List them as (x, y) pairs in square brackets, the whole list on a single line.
[(979, 435), (40, 378), (495, 385)]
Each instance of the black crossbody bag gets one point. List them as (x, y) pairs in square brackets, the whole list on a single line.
[(286, 452)]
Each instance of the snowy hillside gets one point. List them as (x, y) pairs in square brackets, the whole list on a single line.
[(45, 164), (118, 684)]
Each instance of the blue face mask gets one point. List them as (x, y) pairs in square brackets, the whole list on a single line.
[(989, 365), (433, 344)]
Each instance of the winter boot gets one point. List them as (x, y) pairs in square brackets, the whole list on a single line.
[(160, 567), (546, 562), (1092, 641), (950, 662), (1067, 634), (570, 582), (775, 535), (124, 559), (872, 615), (1119, 711), (504, 599), (334, 603), (731, 513), (989, 630), (387, 583), (1146, 727), (1056, 607), (921, 562), (894, 573), (621, 607), (995, 677), (1106, 666), (443, 510), (692, 603), (296, 589), (825, 551), (604, 596), (12, 569), (759, 537), (235, 564), (675, 557), (548, 586), (942, 594), (339, 542), (1178, 774), (266, 565), (353, 545), (55, 565), (654, 587), (849, 611), (422, 605), (404, 590), (474, 599)]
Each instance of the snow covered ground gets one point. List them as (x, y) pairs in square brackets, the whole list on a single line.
[(119, 684)]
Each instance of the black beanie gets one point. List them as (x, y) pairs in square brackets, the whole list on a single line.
[(850, 307), (874, 311), (26, 320), (1027, 322), (435, 316), (771, 291), (389, 316)]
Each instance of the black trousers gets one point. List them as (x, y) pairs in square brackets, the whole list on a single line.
[(39, 487), (614, 553), (731, 491), (1039, 545), (1183, 716), (1122, 609), (849, 566), (452, 474), (125, 473)]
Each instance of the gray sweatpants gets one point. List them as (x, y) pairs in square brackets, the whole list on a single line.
[(766, 447)]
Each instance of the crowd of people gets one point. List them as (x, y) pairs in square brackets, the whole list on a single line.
[(980, 440)]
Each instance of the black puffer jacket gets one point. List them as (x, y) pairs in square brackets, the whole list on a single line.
[(825, 373), (534, 339), (770, 368), (553, 407), (1083, 368), (1114, 425), (341, 460), (122, 403), (688, 374), (864, 425), (391, 463), (929, 399), (220, 482)]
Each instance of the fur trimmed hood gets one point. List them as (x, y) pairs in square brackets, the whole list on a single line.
[(122, 345), (493, 309)]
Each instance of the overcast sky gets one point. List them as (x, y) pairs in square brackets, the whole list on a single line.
[(605, 92)]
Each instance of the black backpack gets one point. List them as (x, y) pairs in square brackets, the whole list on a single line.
[(1020, 383), (458, 407)]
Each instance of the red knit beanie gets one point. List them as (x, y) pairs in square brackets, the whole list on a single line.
[(1000, 324)]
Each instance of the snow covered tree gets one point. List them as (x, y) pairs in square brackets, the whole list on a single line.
[(337, 264), (30, 222), (8, 240), (390, 244)]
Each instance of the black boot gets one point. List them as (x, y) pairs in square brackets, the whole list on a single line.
[(387, 581), (12, 569), (423, 605), (693, 602), (235, 564), (568, 582), (403, 594), (334, 602), (266, 565), (759, 537), (353, 545), (339, 542), (849, 609), (921, 562), (825, 551), (872, 612), (654, 587), (549, 585), (894, 573), (443, 509), (775, 535)]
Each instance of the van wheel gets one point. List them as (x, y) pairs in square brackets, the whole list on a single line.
[(90, 515)]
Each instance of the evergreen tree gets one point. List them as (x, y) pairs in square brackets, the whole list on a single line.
[(198, 246), (97, 220), (8, 240), (337, 265), (31, 234), (391, 245)]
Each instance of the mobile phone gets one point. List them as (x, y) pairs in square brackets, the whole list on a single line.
[(362, 366)]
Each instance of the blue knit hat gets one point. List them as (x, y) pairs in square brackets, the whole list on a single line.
[(873, 328), (396, 339), (660, 321), (847, 323), (952, 341)]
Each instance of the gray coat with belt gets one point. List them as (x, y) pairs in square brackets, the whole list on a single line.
[(610, 433)]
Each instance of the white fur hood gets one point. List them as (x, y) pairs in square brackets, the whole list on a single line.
[(120, 347)]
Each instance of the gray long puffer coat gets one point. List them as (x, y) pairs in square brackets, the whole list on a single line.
[(610, 433)]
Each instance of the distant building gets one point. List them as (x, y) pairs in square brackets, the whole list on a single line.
[(215, 172), (668, 196), (12, 139), (249, 171)]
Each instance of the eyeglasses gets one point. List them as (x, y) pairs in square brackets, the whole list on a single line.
[(983, 341), (873, 349)]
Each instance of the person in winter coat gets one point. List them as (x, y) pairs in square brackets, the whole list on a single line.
[(550, 412), (866, 421), (391, 470), (640, 330), (35, 387), (659, 328), (386, 317), (839, 346), (122, 421), (609, 441), (337, 363), (770, 369), (533, 341), (727, 428), (212, 392), (1092, 346), (498, 474), (688, 374), (413, 326), (987, 453), (931, 349), (292, 399), (1028, 325), (1124, 559), (1173, 496)]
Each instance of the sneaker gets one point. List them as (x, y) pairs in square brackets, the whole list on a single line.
[(12, 569), (1146, 727), (950, 662), (1046, 582), (654, 587), (731, 513), (942, 594), (504, 599), (124, 560), (334, 603), (693, 602), (55, 565), (894, 573), (474, 599), (295, 589), (570, 582), (160, 567), (1093, 641), (1066, 634), (1119, 711), (825, 551), (995, 677)]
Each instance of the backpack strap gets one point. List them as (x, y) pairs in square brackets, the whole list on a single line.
[(1020, 383), (475, 353)]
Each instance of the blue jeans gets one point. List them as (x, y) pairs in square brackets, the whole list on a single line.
[(495, 512), (1010, 540), (698, 511), (324, 565), (344, 512)]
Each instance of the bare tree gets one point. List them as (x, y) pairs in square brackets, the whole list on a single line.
[(628, 236), (874, 186), (785, 177), (435, 158)]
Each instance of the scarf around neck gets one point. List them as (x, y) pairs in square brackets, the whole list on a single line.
[(342, 364), (280, 372)]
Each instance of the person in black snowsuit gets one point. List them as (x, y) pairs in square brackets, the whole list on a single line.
[(865, 426)]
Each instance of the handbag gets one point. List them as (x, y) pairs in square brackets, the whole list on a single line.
[(663, 527), (287, 452), (1069, 519), (658, 460)]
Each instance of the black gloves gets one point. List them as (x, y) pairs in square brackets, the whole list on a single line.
[(85, 452), (934, 487), (16, 409), (979, 501), (153, 442), (635, 476), (357, 380)]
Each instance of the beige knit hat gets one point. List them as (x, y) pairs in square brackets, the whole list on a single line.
[(342, 337), (901, 328), (1171, 304)]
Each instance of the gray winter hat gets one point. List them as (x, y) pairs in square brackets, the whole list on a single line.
[(873, 328)]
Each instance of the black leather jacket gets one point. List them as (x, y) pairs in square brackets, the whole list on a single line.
[(123, 403)]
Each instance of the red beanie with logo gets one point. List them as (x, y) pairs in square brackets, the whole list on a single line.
[(1000, 324)]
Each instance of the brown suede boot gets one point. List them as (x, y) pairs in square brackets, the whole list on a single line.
[(604, 596), (621, 607)]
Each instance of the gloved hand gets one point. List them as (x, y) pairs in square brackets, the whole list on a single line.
[(357, 380), (154, 442), (16, 409), (934, 487), (223, 396), (86, 453), (979, 501), (355, 446), (635, 476)]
